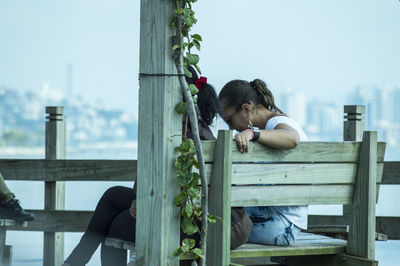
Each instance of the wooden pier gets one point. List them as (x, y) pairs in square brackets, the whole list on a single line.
[(53, 171)]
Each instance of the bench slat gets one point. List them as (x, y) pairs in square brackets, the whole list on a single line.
[(307, 244), (305, 152), (288, 195)]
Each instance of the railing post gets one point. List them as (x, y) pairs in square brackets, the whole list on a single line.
[(5, 250), (54, 198), (353, 130)]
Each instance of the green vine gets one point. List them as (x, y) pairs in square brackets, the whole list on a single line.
[(192, 199)]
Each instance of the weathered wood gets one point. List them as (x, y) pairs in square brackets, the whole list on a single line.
[(219, 198), (294, 173), (391, 173), (384, 224), (336, 152), (306, 244), (265, 261), (330, 260), (119, 243), (362, 227), (5, 250), (157, 227), (54, 198), (56, 221), (353, 130), (69, 170), (291, 195)]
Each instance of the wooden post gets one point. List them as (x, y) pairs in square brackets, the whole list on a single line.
[(54, 198), (353, 130), (5, 250), (160, 130), (219, 238), (361, 241)]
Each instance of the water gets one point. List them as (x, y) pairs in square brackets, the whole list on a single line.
[(28, 246)]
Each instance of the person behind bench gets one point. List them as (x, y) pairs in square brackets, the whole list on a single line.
[(115, 214), (9, 205), (249, 108)]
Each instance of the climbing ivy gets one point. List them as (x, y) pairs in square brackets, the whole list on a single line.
[(192, 199)]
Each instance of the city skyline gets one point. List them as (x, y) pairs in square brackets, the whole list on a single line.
[(91, 48)]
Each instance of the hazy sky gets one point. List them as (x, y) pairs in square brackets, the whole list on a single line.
[(322, 48)]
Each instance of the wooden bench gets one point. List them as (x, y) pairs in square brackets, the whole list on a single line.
[(314, 173)]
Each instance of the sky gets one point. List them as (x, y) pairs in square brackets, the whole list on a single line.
[(321, 48)]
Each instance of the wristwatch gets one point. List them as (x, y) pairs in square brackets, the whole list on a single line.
[(256, 133)]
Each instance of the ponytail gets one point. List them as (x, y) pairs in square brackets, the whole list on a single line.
[(238, 92), (267, 99)]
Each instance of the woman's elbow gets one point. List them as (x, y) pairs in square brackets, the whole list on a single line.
[(293, 143)]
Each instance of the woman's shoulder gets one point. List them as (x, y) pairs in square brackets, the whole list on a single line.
[(274, 121)]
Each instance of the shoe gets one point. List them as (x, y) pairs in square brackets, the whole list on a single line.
[(13, 211)]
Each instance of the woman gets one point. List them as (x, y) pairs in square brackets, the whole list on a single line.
[(249, 108), (115, 214)]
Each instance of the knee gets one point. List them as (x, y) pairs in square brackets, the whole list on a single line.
[(112, 191)]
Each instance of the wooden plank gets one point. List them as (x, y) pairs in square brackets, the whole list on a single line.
[(291, 195), (306, 244), (56, 221), (362, 226), (330, 260), (68, 170), (307, 151), (320, 173), (218, 243), (391, 173), (159, 127), (388, 225), (54, 192)]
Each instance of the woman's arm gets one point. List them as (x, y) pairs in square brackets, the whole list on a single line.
[(282, 136)]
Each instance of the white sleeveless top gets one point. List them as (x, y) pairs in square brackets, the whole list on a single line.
[(295, 214)]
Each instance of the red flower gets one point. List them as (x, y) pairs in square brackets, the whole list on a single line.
[(200, 81)]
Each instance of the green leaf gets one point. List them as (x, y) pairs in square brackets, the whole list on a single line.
[(189, 210), (197, 37), (212, 218), (188, 227), (197, 44), (178, 11), (187, 72), (193, 59), (177, 252), (194, 192), (193, 89), (181, 108), (180, 198), (176, 46), (189, 242), (197, 68), (198, 252)]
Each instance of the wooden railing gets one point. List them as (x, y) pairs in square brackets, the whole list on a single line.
[(53, 171)]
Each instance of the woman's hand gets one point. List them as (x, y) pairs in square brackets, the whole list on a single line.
[(132, 210), (243, 139)]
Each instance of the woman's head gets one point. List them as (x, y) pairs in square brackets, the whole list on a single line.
[(239, 97), (207, 100)]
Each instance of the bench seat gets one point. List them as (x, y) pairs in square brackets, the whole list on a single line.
[(306, 244)]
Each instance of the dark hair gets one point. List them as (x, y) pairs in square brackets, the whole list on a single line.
[(207, 99), (238, 92)]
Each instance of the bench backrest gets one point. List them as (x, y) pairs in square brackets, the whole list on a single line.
[(312, 174)]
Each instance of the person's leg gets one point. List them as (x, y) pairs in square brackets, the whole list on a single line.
[(5, 193), (122, 227), (9, 206), (114, 201), (271, 228)]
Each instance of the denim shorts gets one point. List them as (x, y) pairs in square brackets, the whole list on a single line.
[(270, 227)]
